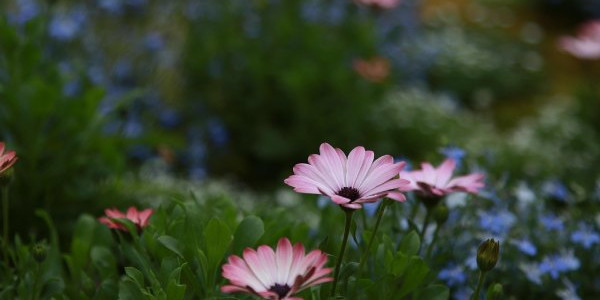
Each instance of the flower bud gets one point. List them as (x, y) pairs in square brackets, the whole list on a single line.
[(487, 255), (440, 214), (38, 251)]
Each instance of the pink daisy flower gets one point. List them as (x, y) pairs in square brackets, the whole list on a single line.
[(139, 218), (349, 181), (430, 182), (275, 275), (384, 4), (586, 45), (7, 159)]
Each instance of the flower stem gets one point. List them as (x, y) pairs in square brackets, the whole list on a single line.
[(380, 212), (342, 250), (430, 248), (5, 214), (479, 284), (425, 224)]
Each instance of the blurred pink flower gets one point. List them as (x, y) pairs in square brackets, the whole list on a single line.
[(275, 275), (432, 182), (7, 159), (384, 4), (586, 45), (349, 181), (376, 69), (139, 218)]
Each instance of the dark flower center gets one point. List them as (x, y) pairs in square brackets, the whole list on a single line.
[(350, 193), (280, 290)]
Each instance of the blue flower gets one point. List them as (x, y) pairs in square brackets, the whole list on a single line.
[(217, 132), (525, 246), (585, 236), (569, 292), (66, 26), (112, 6), (497, 223), (552, 222), (556, 264), (555, 189), (26, 11), (532, 272), (169, 118), (453, 275), (154, 41)]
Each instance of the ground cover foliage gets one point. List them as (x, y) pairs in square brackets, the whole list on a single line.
[(200, 109)]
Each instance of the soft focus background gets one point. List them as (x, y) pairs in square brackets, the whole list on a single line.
[(111, 103)]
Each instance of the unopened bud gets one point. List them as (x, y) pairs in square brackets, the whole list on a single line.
[(440, 214), (38, 251), (487, 255)]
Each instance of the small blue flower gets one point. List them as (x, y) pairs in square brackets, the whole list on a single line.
[(453, 275), (133, 128), (532, 272), (569, 292), (585, 236), (154, 41), (111, 6), (66, 26), (525, 246), (556, 264), (552, 222), (217, 132), (26, 11), (498, 223), (169, 118), (555, 189), (462, 294)]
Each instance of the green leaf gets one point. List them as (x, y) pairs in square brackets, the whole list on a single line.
[(414, 275), (136, 275), (175, 290), (128, 290), (410, 244), (104, 261), (217, 238), (247, 233), (172, 244), (435, 292)]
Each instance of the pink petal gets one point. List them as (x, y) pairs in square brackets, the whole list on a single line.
[(354, 163), (114, 213), (396, 196), (233, 289), (258, 268), (387, 186), (444, 172), (297, 256), (303, 184), (352, 206), (380, 175), (144, 216), (335, 166), (284, 257), (339, 199), (366, 164)]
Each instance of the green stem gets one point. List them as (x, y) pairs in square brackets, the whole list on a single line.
[(425, 224), (5, 222), (342, 250), (479, 284), (430, 248), (380, 212)]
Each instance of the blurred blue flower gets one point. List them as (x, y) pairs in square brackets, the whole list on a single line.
[(322, 201), (169, 118), (555, 189), (154, 41), (585, 236), (524, 193), (453, 275), (569, 292), (71, 88), (371, 208), (455, 153), (197, 172), (26, 10), (217, 132), (532, 272), (133, 128), (112, 6), (498, 223), (463, 293), (556, 264), (552, 222), (525, 246), (66, 26)]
